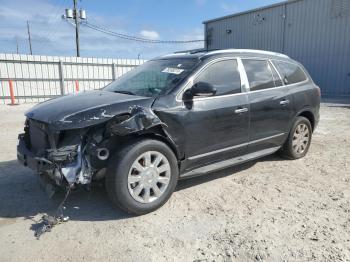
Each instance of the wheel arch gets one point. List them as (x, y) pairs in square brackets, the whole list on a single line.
[(159, 134), (307, 113)]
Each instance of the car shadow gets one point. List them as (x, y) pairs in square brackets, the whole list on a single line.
[(22, 196), (339, 106), (230, 171)]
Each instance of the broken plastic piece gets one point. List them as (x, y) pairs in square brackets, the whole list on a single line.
[(48, 222), (66, 153)]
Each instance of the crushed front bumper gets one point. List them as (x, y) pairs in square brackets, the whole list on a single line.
[(40, 166), (66, 163), (27, 158)]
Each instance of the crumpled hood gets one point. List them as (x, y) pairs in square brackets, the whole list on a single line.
[(85, 109)]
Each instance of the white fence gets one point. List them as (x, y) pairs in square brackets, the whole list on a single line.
[(37, 78)]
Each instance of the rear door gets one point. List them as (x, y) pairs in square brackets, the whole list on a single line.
[(270, 105)]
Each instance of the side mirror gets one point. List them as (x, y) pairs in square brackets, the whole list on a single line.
[(201, 89)]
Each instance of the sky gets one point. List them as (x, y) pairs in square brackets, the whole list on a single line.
[(153, 19)]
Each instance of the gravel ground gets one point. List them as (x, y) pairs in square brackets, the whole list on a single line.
[(268, 210)]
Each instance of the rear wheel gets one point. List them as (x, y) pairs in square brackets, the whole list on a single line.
[(142, 176), (299, 139)]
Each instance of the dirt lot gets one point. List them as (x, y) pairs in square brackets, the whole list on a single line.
[(269, 210)]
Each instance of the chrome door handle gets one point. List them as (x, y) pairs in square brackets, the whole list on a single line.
[(284, 102), (241, 110)]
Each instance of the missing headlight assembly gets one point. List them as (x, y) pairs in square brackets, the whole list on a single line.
[(74, 156)]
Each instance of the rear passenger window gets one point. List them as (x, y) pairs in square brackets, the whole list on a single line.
[(290, 73), (224, 76), (259, 74)]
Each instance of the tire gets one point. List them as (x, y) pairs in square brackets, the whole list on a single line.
[(125, 177), (296, 146)]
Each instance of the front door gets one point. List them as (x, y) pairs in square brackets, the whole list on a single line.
[(217, 127)]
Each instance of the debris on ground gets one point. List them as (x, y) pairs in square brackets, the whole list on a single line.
[(47, 222)]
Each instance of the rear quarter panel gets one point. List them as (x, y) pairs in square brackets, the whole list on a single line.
[(306, 98)]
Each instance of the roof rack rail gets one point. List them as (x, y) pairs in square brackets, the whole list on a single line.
[(246, 51), (191, 51)]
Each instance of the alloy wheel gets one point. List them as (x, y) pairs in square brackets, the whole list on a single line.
[(149, 177), (301, 138)]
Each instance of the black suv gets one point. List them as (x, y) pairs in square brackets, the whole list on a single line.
[(174, 117)]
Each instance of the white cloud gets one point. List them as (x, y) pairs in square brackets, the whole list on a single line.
[(229, 7), (154, 35)]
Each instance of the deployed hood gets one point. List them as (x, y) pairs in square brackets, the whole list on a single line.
[(85, 109)]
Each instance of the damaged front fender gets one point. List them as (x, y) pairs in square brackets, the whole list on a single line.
[(138, 119)]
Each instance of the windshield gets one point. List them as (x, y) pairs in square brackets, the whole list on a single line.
[(153, 78)]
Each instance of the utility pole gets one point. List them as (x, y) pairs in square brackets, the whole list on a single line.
[(29, 39), (76, 18)]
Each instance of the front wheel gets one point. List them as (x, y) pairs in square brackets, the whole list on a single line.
[(299, 139), (142, 176)]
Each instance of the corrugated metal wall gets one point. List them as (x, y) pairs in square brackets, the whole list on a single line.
[(314, 32)]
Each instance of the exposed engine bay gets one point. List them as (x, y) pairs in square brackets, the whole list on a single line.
[(74, 157)]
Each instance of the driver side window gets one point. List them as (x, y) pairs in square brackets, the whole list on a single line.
[(224, 76)]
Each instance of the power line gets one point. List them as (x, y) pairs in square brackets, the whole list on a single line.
[(136, 38), (52, 28)]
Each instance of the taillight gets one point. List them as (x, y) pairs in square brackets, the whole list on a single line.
[(318, 91)]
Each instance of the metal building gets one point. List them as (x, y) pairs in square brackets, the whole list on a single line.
[(313, 32)]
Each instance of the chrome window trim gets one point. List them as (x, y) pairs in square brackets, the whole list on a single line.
[(245, 87), (234, 147), (190, 81), (262, 90)]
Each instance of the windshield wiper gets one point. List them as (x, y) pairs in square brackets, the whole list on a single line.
[(124, 92)]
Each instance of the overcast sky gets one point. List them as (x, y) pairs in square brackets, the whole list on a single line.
[(154, 19)]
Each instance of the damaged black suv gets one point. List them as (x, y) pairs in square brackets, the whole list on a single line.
[(174, 117)]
